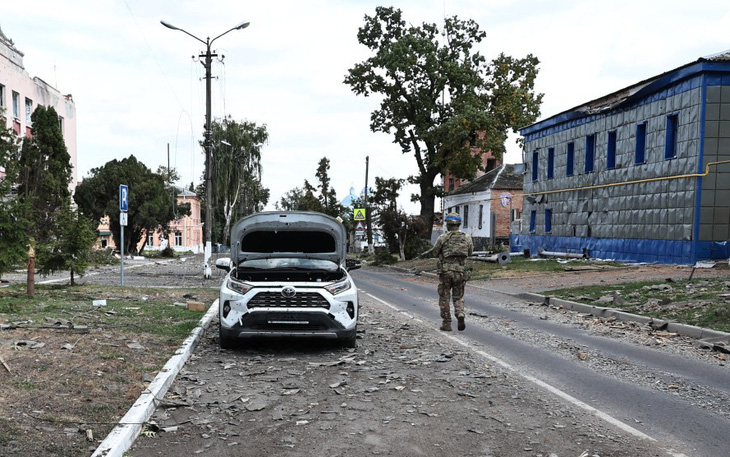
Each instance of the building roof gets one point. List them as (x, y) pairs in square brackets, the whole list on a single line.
[(187, 193), (627, 95), (504, 177)]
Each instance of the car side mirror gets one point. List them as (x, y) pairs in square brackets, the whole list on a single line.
[(223, 263), (352, 264)]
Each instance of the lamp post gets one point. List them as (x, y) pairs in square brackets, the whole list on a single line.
[(207, 141)]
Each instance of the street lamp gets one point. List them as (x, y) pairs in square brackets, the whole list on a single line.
[(207, 141)]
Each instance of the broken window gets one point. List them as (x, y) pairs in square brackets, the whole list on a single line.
[(28, 111), (16, 105)]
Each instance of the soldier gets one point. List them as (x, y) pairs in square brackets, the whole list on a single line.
[(452, 248)]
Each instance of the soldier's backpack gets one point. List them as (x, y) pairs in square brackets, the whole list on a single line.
[(456, 245)]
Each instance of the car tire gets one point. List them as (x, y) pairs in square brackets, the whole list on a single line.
[(350, 342), (225, 341)]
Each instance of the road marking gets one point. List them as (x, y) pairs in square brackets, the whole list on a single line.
[(554, 390)]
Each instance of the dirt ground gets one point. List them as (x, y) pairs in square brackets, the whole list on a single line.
[(102, 371)]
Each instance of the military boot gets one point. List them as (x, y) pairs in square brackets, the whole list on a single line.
[(445, 326), (461, 325)]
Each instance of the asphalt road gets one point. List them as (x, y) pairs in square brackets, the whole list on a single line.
[(639, 390)]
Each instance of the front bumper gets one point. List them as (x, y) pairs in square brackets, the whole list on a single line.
[(324, 316)]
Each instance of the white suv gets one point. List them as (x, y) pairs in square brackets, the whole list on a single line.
[(288, 277)]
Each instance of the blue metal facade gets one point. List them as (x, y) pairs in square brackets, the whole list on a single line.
[(626, 204)]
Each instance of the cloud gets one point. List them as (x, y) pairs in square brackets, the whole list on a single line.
[(137, 89)]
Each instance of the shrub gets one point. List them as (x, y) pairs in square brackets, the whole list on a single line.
[(384, 257), (102, 257)]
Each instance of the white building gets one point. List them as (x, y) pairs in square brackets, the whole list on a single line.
[(20, 94), (487, 206)]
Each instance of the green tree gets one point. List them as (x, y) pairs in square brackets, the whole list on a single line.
[(440, 96), (149, 202), (14, 225), (236, 167), (45, 175), (71, 250), (321, 198), (385, 211), (328, 197), (291, 201)]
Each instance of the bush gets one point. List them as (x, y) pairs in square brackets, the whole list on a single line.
[(102, 257), (168, 253), (384, 257)]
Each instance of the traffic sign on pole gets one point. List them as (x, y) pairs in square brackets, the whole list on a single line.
[(123, 198)]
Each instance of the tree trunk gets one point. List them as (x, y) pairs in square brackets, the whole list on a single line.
[(73, 283), (402, 244), (30, 282), (427, 200)]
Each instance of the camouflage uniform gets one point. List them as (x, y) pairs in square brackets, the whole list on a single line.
[(452, 248)]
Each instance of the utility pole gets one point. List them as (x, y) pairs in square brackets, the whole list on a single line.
[(207, 138), (368, 223)]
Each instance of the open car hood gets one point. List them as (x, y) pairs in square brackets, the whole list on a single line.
[(274, 234)]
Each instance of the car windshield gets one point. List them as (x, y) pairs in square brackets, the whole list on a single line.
[(289, 264)]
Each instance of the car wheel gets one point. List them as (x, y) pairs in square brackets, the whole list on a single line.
[(225, 341), (350, 342)]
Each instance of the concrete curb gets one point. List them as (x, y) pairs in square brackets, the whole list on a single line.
[(691, 331), (121, 438)]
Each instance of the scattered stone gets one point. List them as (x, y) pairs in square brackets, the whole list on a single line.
[(135, 345)]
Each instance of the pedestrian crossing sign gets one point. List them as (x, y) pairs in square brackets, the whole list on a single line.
[(359, 214)]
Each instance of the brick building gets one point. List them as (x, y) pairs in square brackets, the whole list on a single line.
[(487, 206)]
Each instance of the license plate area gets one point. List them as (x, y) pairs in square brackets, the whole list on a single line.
[(286, 319)]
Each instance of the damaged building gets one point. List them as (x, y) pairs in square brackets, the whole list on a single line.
[(642, 174)]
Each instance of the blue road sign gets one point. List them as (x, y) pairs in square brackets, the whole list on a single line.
[(123, 198)]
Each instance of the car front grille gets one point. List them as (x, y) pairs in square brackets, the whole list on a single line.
[(277, 300)]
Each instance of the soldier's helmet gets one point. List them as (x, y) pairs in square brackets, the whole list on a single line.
[(453, 219)]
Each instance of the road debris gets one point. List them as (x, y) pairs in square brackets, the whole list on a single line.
[(5, 365)]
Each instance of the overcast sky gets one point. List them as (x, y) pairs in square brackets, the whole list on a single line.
[(137, 90)]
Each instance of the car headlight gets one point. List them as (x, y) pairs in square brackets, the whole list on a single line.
[(237, 286), (338, 287)]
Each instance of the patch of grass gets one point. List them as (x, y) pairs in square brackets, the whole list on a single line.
[(24, 385), (140, 310), (111, 355), (699, 303)]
